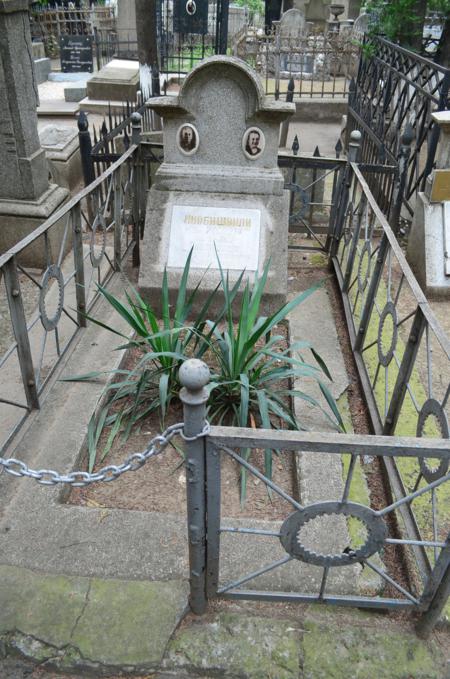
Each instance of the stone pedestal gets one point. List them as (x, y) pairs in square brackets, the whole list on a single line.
[(219, 186), (62, 149), (26, 198), (429, 245), (18, 218)]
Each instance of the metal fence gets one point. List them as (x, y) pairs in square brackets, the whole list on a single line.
[(401, 352), (48, 25), (43, 308), (396, 88), (321, 64)]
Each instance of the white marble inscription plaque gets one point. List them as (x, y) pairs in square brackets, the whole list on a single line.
[(234, 232)]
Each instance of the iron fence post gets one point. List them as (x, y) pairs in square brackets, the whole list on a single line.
[(19, 325), (84, 139), (78, 259), (285, 123), (194, 376), (344, 189), (117, 220), (136, 128), (436, 592)]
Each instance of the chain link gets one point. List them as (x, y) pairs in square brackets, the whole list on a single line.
[(78, 479)]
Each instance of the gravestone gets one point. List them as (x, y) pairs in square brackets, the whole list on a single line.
[(76, 54), (290, 34), (219, 185), (126, 21), (428, 250), (26, 197)]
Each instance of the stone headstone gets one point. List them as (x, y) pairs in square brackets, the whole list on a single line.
[(76, 54), (219, 185), (42, 68), (292, 24), (361, 26)]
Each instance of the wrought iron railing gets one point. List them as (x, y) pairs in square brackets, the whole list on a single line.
[(44, 308), (321, 64), (401, 352), (396, 88)]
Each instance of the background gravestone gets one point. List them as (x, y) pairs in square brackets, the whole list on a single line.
[(26, 197), (219, 185)]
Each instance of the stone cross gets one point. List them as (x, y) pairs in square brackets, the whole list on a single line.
[(219, 186)]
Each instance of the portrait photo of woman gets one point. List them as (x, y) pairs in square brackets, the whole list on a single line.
[(253, 143)]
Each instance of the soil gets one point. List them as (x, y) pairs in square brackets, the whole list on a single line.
[(160, 485)]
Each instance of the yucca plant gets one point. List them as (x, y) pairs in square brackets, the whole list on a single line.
[(152, 384), (252, 364)]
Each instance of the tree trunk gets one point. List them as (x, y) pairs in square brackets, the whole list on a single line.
[(410, 33), (146, 30), (443, 51)]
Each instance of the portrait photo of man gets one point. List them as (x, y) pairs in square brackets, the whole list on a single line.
[(187, 139), (253, 142)]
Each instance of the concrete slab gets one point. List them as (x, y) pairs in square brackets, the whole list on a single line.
[(55, 107), (86, 624)]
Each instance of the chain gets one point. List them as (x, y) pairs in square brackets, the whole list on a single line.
[(48, 477)]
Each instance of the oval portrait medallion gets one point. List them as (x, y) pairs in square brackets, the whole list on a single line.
[(253, 142), (187, 139)]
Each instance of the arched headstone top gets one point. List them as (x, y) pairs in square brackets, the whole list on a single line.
[(221, 130), (222, 69), (292, 24)]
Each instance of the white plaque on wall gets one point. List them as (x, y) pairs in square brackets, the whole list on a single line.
[(235, 232)]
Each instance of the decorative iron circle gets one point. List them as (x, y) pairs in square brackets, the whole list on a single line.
[(386, 357), (364, 277), (434, 408), (97, 259), (290, 533), (53, 272)]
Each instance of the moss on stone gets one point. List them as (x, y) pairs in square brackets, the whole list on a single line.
[(339, 652), (318, 259), (238, 646)]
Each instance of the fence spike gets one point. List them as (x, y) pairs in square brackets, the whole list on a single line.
[(95, 134), (338, 148), (104, 129), (295, 146), (110, 117), (316, 153)]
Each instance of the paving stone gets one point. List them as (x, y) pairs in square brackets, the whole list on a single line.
[(333, 651), (74, 623), (240, 646)]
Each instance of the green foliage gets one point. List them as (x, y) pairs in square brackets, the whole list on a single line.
[(252, 369), (254, 6)]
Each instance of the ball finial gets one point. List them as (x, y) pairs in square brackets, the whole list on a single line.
[(194, 374)]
